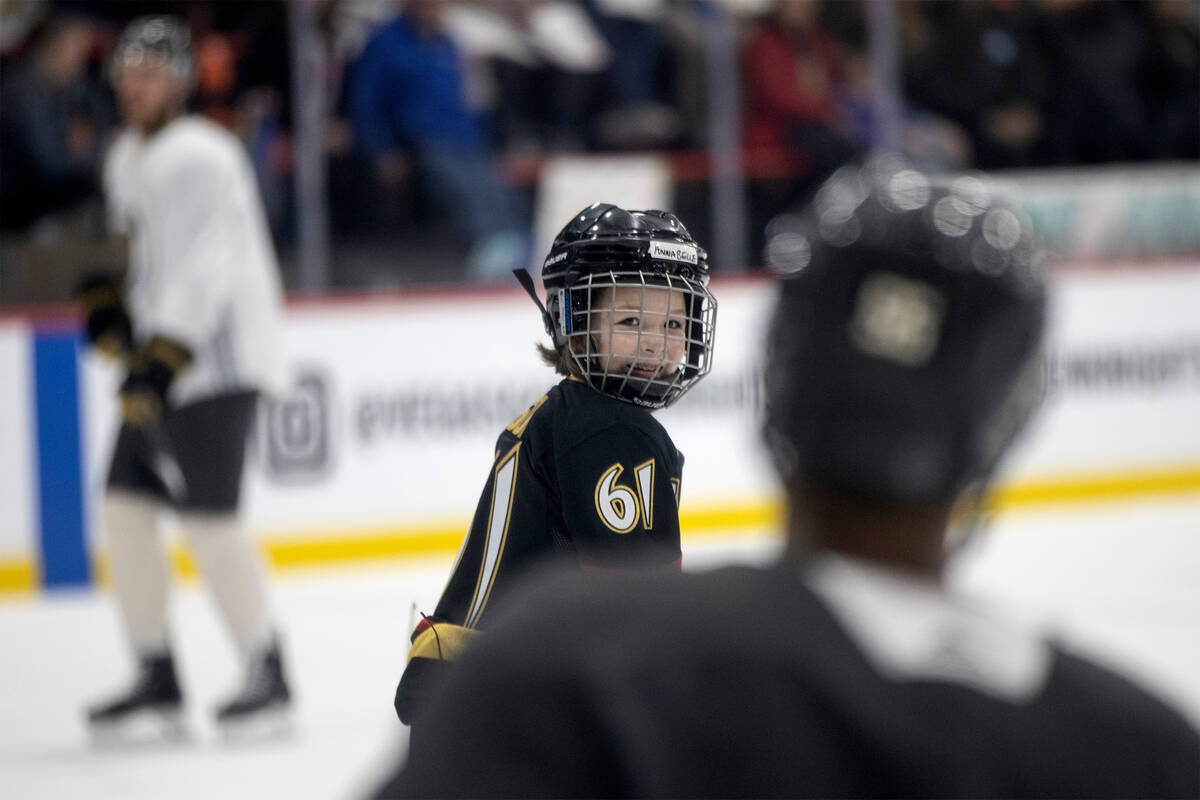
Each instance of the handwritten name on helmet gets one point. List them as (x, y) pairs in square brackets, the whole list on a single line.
[(673, 251)]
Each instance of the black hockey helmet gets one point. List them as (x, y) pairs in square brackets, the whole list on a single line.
[(163, 40), (606, 252), (904, 353)]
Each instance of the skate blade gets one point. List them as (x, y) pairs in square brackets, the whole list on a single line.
[(146, 727), (269, 725)]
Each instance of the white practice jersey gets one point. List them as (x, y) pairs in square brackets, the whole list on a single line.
[(202, 266)]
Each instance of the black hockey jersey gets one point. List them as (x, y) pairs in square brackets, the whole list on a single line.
[(768, 683), (580, 479), (579, 476)]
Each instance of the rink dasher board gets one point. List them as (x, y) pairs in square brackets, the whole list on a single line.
[(385, 437)]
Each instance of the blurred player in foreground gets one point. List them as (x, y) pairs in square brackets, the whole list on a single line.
[(903, 358), (586, 476), (197, 321)]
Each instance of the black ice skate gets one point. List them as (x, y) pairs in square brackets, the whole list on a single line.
[(152, 709), (261, 708)]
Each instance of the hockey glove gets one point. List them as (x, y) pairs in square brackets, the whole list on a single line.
[(106, 321), (435, 648), (151, 371)]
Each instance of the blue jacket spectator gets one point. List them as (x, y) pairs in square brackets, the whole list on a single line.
[(407, 93), (407, 89), (53, 126)]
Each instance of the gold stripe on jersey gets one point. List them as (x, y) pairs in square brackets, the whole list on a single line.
[(504, 482), (517, 426), (644, 473), (676, 488)]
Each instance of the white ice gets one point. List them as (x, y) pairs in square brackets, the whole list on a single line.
[(1121, 582)]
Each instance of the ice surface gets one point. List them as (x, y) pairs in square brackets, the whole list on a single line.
[(1120, 581)]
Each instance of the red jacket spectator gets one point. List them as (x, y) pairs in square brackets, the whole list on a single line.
[(789, 70)]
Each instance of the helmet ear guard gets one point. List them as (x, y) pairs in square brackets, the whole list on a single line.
[(557, 325), (561, 325)]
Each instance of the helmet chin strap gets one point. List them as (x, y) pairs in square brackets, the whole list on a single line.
[(634, 388), (526, 281)]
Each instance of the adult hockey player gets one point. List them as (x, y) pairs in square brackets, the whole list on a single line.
[(903, 357), (197, 322), (586, 475)]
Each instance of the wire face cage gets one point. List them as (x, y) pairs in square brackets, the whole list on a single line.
[(642, 338)]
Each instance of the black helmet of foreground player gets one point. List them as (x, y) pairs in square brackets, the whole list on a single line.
[(609, 278), (904, 352)]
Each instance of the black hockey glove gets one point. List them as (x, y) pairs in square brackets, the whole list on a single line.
[(106, 322), (151, 370)]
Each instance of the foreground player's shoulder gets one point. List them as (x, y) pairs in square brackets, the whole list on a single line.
[(1116, 703), (1145, 747), (636, 605), (613, 630)]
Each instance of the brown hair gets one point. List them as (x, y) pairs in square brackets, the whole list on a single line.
[(560, 359)]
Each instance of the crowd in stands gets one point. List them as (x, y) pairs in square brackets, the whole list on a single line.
[(440, 110)]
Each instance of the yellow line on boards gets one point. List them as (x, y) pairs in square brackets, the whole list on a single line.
[(1095, 488), (18, 575), (288, 551), (708, 521), (365, 545)]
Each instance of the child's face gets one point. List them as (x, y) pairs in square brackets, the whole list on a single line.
[(643, 328)]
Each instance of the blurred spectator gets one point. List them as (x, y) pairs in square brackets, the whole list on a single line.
[(409, 109), (982, 65), (930, 141), (792, 65), (17, 19), (573, 55), (1171, 85), (538, 65), (261, 99), (354, 214), (53, 124), (635, 117), (269, 146), (684, 27), (216, 78), (1096, 51)]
